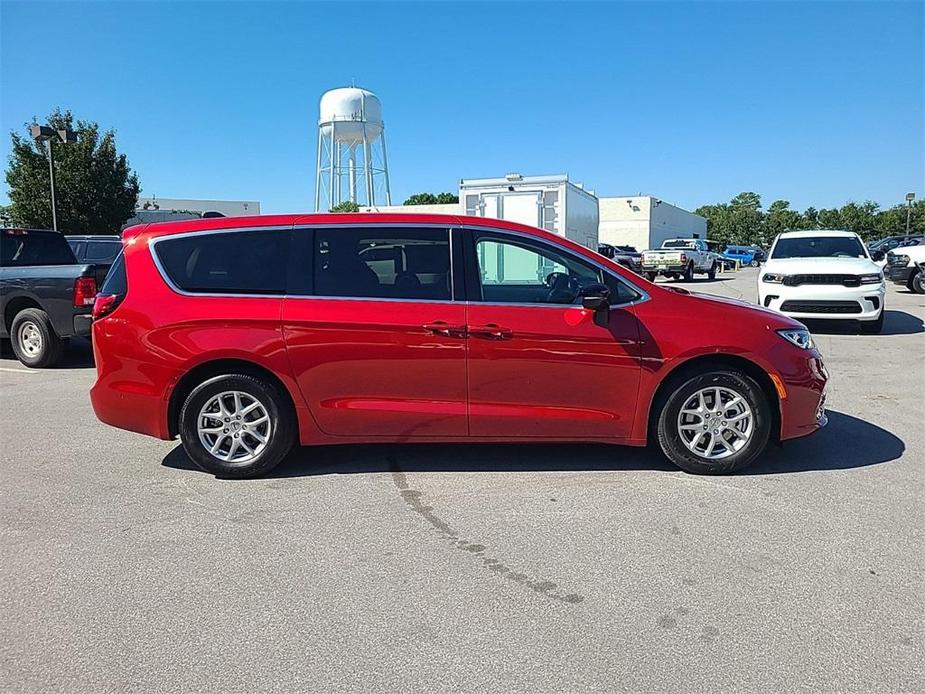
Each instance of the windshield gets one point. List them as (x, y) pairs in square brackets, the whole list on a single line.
[(678, 244), (819, 247)]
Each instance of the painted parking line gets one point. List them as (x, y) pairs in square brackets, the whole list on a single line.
[(18, 371)]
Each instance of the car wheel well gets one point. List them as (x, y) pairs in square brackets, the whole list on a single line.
[(210, 369), (15, 306), (708, 362)]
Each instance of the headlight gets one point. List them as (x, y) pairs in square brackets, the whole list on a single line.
[(773, 277), (872, 279), (900, 260), (798, 336)]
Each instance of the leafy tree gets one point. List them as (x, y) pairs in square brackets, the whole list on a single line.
[(431, 199), (95, 191), (346, 206), (780, 218), (861, 219), (810, 218), (830, 219)]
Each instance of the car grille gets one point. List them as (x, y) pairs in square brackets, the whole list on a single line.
[(821, 307), (844, 280)]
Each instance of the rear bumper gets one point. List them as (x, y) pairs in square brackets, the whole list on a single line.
[(83, 324)]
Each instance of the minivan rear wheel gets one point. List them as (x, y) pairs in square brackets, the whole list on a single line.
[(715, 423), (236, 426)]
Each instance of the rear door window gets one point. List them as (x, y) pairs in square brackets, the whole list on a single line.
[(228, 262), (380, 263)]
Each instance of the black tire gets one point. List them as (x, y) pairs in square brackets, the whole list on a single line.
[(282, 430), (688, 275), (754, 263), (650, 276), (669, 436), (49, 347), (873, 327), (711, 273), (917, 282)]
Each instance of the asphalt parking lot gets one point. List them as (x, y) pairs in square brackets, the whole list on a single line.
[(461, 568)]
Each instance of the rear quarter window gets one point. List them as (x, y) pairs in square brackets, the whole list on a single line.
[(231, 262), (19, 248)]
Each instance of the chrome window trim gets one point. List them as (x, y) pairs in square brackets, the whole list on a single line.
[(152, 244)]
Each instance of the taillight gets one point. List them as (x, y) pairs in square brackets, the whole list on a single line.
[(84, 291), (684, 257), (104, 305)]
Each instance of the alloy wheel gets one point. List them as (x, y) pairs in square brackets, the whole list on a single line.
[(234, 426), (715, 423)]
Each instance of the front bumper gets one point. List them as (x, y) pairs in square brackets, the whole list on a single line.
[(899, 274), (814, 301)]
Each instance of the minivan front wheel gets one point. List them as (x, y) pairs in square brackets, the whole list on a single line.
[(236, 425), (715, 423)]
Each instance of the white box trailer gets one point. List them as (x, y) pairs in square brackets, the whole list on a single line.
[(552, 203)]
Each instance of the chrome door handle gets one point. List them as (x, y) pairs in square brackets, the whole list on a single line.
[(440, 327), (492, 331)]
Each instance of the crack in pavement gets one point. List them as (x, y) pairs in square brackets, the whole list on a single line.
[(414, 499)]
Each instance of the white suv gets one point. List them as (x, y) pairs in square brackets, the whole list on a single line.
[(823, 274)]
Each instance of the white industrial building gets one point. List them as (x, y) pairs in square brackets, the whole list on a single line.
[(556, 204), (644, 222)]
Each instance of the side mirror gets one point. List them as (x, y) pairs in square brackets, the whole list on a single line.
[(596, 297), (878, 255)]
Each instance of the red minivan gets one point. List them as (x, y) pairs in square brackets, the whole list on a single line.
[(244, 336)]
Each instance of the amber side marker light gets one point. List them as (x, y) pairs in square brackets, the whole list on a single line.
[(778, 384)]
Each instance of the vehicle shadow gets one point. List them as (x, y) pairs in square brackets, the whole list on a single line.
[(846, 443), (894, 323), (77, 355)]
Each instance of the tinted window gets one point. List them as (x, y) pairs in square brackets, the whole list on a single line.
[(514, 270), (116, 282), (387, 263), (102, 251), (818, 247), (678, 244), (21, 247), (245, 262)]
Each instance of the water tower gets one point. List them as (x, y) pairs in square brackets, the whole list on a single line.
[(352, 163)]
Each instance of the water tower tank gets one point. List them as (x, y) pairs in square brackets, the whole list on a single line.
[(351, 108), (352, 161)]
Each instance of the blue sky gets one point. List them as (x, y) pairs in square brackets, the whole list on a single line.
[(818, 103)]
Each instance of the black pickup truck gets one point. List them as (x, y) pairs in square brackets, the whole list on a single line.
[(46, 296)]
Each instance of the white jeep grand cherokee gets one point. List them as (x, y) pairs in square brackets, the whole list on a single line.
[(823, 274)]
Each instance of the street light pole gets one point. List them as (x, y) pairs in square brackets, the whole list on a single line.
[(909, 198), (46, 134), (49, 148)]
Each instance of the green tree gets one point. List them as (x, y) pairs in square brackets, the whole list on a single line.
[(346, 206), (830, 219), (431, 199), (95, 191), (861, 219), (746, 220), (780, 218), (810, 218)]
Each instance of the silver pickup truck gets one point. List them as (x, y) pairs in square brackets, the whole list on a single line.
[(680, 259)]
